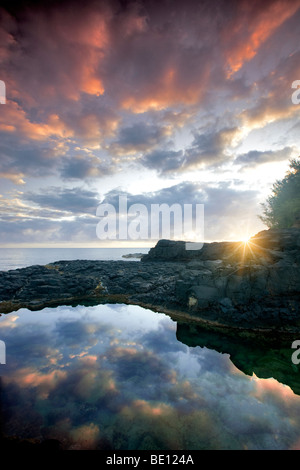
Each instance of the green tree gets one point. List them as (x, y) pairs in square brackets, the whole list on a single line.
[(282, 208)]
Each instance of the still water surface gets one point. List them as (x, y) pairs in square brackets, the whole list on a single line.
[(122, 377)]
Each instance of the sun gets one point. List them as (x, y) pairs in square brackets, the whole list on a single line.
[(246, 239)]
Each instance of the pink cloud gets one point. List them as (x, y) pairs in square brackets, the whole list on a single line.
[(252, 26)]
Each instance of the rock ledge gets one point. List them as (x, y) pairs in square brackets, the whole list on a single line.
[(253, 286)]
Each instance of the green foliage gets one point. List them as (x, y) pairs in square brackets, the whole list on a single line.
[(282, 208)]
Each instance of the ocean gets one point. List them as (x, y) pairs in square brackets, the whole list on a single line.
[(15, 258)]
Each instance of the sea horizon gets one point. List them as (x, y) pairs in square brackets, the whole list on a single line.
[(16, 258)]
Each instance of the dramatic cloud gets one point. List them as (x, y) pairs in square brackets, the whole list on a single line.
[(112, 92)]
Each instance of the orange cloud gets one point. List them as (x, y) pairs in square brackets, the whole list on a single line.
[(87, 360), (272, 386), (266, 112), (162, 98), (120, 351), (259, 31), (14, 119), (93, 86), (9, 321), (145, 408), (92, 128), (169, 90), (29, 377)]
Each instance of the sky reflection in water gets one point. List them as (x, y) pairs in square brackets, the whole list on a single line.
[(115, 377)]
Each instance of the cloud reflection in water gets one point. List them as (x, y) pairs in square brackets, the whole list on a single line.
[(115, 377)]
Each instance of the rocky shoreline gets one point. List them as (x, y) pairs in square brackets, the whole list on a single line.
[(253, 285)]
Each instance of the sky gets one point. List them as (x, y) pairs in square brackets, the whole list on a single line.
[(169, 102)]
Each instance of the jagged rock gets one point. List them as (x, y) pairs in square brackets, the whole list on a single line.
[(280, 240), (166, 250), (134, 255), (254, 285)]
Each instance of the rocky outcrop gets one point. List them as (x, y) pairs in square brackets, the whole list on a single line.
[(134, 255), (253, 285), (266, 246)]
